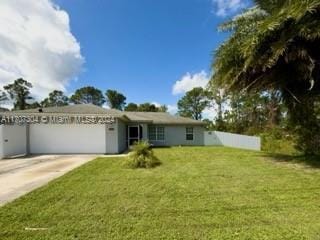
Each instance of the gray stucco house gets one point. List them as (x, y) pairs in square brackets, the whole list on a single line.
[(91, 129)]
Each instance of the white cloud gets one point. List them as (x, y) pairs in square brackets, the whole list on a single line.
[(223, 8), (189, 81), (172, 109), (36, 43), (209, 113), (156, 104)]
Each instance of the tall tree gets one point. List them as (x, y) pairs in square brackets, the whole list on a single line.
[(131, 107), (274, 108), (115, 99), (147, 107), (19, 92), (88, 95), (33, 105), (209, 125), (218, 100), (56, 99), (163, 108), (193, 103), (247, 113), (275, 46)]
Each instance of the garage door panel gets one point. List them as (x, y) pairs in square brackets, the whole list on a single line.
[(67, 138)]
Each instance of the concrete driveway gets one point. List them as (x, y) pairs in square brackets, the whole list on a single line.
[(21, 175)]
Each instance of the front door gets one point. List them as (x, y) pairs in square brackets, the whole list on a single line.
[(134, 134)]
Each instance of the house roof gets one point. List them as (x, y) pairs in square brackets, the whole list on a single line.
[(89, 109), (80, 109), (160, 118)]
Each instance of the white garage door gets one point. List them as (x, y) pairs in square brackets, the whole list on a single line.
[(67, 138)]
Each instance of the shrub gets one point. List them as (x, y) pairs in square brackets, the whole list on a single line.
[(141, 156), (279, 141)]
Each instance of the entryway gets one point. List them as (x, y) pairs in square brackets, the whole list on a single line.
[(134, 134)]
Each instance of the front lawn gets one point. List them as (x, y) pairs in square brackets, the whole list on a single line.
[(197, 193)]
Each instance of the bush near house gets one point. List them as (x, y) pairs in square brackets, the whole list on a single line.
[(142, 156)]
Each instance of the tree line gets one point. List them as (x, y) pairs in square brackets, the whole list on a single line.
[(19, 93), (245, 113)]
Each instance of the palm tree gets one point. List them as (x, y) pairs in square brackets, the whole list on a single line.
[(275, 46)]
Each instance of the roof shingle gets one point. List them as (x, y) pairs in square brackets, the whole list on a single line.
[(150, 117), (72, 109), (160, 118)]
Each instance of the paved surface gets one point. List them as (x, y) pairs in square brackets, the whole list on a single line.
[(21, 175)]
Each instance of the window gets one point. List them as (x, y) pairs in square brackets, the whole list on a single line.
[(160, 133), (189, 133), (152, 133), (156, 133)]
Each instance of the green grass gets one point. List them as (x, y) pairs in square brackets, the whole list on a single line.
[(197, 193)]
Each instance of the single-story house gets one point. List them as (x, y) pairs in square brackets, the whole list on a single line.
[(91, 129)]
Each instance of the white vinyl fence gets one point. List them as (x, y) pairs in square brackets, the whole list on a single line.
[(232, 140)]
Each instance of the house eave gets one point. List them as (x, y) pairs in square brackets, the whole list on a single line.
[(180, 124)]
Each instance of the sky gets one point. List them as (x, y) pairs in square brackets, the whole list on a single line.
[(149, 50)]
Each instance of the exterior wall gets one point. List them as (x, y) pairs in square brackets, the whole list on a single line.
[(175, 135), (1, 142), (67, 138), (144, 131), (13, 140), (111, 137), (82, 138), (122, 136), (232, 140)]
